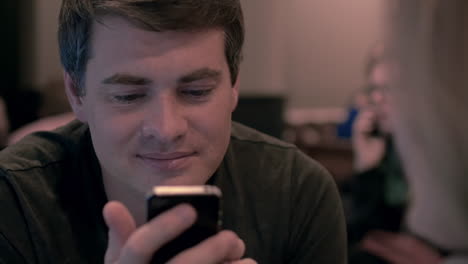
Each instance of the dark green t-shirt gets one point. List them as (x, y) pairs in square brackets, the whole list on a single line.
[(280, 202)]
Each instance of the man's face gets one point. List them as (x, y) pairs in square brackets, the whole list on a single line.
[(158, 104)]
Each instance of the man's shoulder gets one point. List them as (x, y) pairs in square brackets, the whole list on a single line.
[(266, 178), (244, 134), (42, 148), (252, 149), (40, 190)]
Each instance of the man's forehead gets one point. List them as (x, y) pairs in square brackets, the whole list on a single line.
[(118, 26), (138, 80), (115, 32), (125, 54)]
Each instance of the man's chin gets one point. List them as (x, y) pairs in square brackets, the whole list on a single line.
[(191, 175), (184, 179)]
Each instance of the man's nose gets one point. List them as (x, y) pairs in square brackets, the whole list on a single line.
[(165, 120)]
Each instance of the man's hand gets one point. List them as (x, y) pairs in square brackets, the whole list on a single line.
[(399, 248), (127, 244), (368, 150)]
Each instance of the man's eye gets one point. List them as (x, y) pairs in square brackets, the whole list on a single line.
[(197, 93), (128, 98)]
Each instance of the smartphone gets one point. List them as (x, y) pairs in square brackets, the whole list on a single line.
[(206, 199)]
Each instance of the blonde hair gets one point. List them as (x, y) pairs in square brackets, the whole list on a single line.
[(430, 99)]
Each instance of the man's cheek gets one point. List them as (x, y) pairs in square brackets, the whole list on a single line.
[(109, 137)]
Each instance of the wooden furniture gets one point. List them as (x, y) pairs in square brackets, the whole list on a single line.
[(319, 141)]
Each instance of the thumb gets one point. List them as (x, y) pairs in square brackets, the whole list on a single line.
[(121, 225)]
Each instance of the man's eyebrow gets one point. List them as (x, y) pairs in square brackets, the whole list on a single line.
[(126, 79), (204, 73)]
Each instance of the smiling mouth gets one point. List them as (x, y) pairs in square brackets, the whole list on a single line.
[(167, 161), (167, 156)]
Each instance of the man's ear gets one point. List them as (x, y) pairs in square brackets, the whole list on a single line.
[(74, 98), (235, 94)]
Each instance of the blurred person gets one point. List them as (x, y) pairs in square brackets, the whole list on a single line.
[(429, 42), (376, 195), (375, 76), (153, 84), (372, 131)]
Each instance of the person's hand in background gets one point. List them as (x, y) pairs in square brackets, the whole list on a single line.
[(398, 248), (368, 149)]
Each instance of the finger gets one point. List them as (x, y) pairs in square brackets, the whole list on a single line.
[(147, 239), (414, 250), (378, 248), (398, 242), (224, 247), (121, 225)]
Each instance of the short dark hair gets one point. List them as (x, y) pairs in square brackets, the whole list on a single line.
[(77, 17)]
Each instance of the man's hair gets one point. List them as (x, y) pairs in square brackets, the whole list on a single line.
[(77, 17)]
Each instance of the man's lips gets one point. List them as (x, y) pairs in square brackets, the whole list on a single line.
[(167, 161), (166, 156)]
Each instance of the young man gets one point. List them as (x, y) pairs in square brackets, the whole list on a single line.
[(153, 84)]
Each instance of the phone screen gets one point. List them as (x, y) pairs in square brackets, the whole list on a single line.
[(207, 204)]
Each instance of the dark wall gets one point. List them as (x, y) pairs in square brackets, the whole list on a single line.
[(264, 113), (16, 29), (9, 64)]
